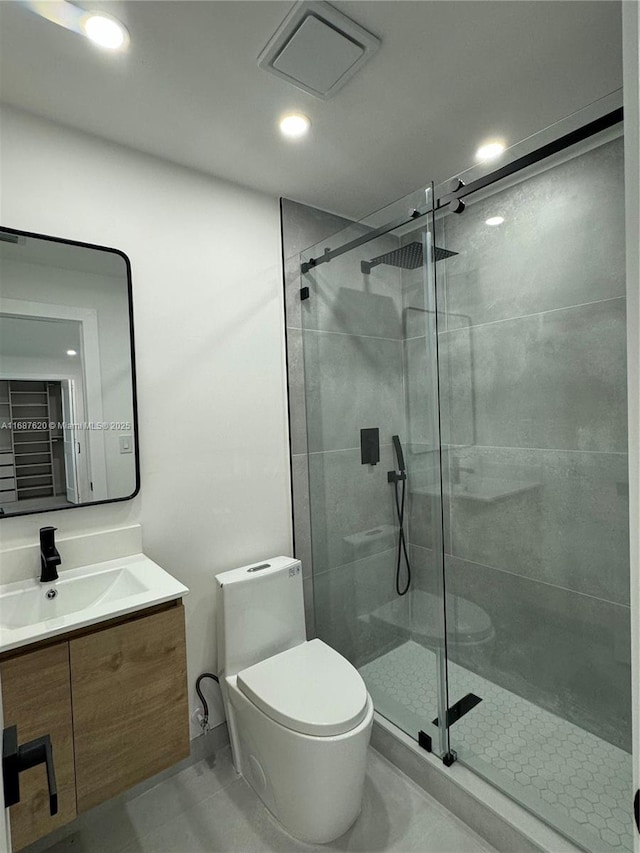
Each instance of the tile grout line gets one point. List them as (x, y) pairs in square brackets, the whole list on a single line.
[(373, 554), (452, 447), (336, 450), (532, 314), (471, 326), (527, 578), (345, 334), (527, 449)]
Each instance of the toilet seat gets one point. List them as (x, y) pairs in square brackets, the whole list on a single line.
[(309, 688)]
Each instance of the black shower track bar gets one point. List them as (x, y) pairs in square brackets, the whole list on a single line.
[(548, 150), (330, 254), (572, 138)]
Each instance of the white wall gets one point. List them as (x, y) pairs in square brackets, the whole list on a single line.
[(205, 257)]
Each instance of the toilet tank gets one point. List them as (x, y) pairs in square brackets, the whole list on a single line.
[(260, 612)]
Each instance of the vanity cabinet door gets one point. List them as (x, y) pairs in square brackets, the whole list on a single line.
[(130, 710), (36, 697)]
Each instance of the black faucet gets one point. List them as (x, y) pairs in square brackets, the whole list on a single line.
[(49, 557)]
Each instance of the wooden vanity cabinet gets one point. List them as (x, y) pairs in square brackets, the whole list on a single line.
[(130, 714), (36, 697), (113, 698)]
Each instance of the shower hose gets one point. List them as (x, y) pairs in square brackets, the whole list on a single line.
[(402, 543)]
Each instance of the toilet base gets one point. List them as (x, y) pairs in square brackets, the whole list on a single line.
[(312, 785)]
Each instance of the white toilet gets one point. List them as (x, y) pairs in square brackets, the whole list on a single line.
[(299, 714)]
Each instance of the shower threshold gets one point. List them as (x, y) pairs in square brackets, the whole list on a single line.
[(542, 761)]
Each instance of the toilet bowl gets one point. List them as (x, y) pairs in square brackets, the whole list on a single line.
[(299, 713), (419, 615)]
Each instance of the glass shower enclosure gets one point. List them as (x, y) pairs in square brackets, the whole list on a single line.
[(465, 382)]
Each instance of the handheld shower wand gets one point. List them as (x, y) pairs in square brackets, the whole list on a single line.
[(395, 477)]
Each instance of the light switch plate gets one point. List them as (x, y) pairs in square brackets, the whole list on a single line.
[(126, 444)]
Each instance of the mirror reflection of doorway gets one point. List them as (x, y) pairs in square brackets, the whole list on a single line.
[(38, 447)]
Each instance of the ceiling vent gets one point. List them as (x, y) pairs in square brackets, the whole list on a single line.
[(317, 49)]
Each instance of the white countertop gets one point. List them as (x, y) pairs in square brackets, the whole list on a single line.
[(88, 595)]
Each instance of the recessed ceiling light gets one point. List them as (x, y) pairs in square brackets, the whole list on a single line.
[(101, 29), (294, 125), (104, 31), (494, 220), (71, 352), (490, 150)]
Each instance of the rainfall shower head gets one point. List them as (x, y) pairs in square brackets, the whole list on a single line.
[(408, 257)]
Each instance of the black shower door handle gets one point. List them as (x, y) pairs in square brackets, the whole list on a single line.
[(16, 758)]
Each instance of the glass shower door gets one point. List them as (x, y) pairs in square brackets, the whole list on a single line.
[(368, 341), (492, 343), (532, 378)]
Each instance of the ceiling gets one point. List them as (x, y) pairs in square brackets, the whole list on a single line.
[(448, 74), (37, 338)]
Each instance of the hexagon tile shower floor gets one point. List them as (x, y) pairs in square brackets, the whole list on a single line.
[(548, 761)]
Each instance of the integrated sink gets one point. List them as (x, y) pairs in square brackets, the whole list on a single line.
[(31, 611)]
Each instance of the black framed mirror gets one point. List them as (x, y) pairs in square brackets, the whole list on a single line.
[(68, 410)]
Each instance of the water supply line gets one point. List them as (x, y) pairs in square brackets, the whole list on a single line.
[(204, 722)]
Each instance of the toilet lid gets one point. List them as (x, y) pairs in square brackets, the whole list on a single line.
[(310, 688)]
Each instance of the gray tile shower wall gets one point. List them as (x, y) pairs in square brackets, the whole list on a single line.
[(561, 243), (351, 382), (352, 506), (566, 652), (347, 337), (347, 301), (550, 515), (346, 596), (301, 226), (549, 380), (533, 406)]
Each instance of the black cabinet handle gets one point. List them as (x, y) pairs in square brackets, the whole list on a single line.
[(16, 758)]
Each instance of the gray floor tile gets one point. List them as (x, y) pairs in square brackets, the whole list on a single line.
[(208, 808), (399, 816)]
